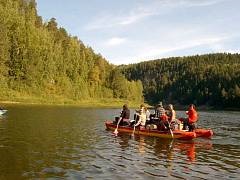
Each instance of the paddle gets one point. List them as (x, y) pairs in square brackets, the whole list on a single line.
[(133, 130), (134, 126), (170, 129), (171, 132), (116, 130)]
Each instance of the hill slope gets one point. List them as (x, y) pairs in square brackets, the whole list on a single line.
[(41, 60), (211, 79)]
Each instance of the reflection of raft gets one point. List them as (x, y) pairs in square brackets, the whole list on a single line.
[(177, 134)]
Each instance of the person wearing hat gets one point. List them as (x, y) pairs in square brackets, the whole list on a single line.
[(159, 111)]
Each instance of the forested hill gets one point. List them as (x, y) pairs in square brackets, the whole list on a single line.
[(40, 59), (212, 79)]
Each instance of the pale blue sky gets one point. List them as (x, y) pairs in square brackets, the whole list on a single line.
[(131, 31)]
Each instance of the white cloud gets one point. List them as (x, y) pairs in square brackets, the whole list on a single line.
[(201, 2), (115, 41), (176, 37), (113, 20), (162, 50), (136, 15), (208, 41), (187, 3), (142, 11), (233, 51)]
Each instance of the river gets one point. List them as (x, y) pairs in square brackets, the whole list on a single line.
[(69, 142)]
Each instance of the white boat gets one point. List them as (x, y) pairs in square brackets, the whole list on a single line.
[(3, 111)]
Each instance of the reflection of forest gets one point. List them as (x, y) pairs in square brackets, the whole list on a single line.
[(166, 148)]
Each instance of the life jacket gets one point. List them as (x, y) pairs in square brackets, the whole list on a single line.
[(192, 115)]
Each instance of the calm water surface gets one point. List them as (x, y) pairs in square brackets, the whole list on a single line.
[(71, 143)]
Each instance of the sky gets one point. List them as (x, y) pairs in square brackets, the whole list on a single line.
[(132, 31)]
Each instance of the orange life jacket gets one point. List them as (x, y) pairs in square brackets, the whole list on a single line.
[(192, 115)]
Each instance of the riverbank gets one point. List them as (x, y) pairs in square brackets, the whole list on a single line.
[(104, 102), (69, 102)]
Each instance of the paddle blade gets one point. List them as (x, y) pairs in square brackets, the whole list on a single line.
[(169, 127), (171, 133), (133, 131), (115, 131), (113, 134)]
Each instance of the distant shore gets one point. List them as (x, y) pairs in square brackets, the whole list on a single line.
[(107, 103), (201, 108), (85, 103)]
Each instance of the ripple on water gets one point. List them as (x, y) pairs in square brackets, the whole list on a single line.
[(72, 143)]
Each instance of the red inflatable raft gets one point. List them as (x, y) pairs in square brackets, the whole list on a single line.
[(177, 134), (207, 133)]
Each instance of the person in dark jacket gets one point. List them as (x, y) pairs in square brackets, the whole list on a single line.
[(125, 116)]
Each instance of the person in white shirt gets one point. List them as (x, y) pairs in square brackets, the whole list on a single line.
[(142, 118)]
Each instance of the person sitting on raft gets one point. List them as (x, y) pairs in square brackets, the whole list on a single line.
[(148, 114), (160, 114), (172, 117), (160, 111), (142, 118), (138, 112), (125, 116), (192, 118), (163, 122)]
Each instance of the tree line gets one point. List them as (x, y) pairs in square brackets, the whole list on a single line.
[(211, 79), (41, 59)]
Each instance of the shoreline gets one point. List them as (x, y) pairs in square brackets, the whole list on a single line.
[(112, 103)]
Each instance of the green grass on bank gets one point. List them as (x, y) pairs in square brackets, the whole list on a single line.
[(13, 97), (16, 97)]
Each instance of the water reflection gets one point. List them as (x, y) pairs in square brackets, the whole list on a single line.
[(45, 141), (141, 145), (162, 158), (165, 148), (72, 143)]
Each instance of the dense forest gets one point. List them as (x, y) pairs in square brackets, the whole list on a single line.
[(211, 79), (40, 59)]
